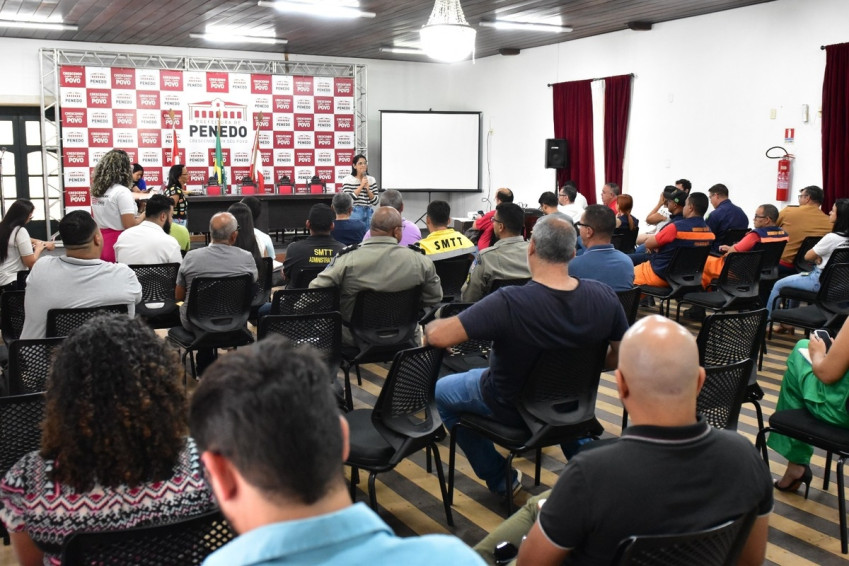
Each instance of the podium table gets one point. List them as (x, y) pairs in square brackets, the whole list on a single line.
[(279, 212)]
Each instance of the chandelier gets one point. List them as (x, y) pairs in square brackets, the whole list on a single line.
[(447, 36)]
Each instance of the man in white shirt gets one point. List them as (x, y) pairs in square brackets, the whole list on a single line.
[(568, 203), (150, 242)]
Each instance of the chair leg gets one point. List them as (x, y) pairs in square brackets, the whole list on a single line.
[(827, 474), (441, 475), (349, 396), (538, 468), (359, 377), (429, 467), (759, 413), (678, 312), (760, 442), (841, 506), (452, 452), (372, 497), (508, 483)]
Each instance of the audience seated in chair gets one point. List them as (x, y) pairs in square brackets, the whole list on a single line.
[(725, 215), (80, 279), (600, 261), (379, 264), (627, 227), (801, 221), (346, 230), (443, 242), (506, 259), (221, 258), (410, 233), (570, 202), (484, 223), (552, 310), (273, 444), (669, 208), (690, 231), (670, 472), (114, 452), (318, 249), (150, 242)]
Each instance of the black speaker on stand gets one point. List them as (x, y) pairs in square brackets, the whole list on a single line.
[(556, 156)]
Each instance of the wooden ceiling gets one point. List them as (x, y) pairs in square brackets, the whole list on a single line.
[(169, 22)]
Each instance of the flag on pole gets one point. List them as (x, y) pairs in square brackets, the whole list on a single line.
[(175, 150), (219, 156), (256, 172)]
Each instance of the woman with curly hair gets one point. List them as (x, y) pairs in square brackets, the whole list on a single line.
[(17, 250), (114, 451), (112, 204), (177, 177)]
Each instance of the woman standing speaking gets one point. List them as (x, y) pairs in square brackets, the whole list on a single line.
[(363, 189), (113, 206)]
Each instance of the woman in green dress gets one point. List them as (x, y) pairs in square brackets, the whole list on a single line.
[(820, 384)]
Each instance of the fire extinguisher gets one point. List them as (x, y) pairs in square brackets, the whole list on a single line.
[(782, 185)]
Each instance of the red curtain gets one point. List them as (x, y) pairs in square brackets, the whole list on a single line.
[(617, 103), (573, 121), (835, 124)]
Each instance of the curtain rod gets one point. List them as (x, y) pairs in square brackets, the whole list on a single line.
[(601, 79)]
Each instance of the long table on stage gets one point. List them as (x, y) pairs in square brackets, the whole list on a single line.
[(279, 212)]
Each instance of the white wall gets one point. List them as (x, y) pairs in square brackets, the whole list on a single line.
[(700, 107)]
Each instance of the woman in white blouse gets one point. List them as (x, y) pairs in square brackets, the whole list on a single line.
[(363, 189), (17, 250), (113, 206)]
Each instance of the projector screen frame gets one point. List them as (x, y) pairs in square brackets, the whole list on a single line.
[(479, 138)]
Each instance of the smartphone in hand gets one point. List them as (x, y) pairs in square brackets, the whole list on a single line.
[(825, 337)]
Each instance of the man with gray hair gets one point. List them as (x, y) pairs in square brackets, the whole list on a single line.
[(219, 259), (553, 310), (346, 230), (410, 232)]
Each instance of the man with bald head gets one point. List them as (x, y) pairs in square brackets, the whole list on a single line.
[(668, 473), (219, 259), (379, 264)]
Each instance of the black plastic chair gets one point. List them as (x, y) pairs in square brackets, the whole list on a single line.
[(799, 262), (557, 404), (732, 236), (20, 432), (717, 546), (839, 255), (181, 543), (723, 393), (803, 426), (263, 282), (728, 338), (630, 300), (61, 322), (736, 288), (305, 301), (12, 315), (453, 272), (404, 421), (322, 331), (772, 256), (22, 279), (466, 355), (625, 240), (499, 283), (158, 307), (29, 364), (302, 277), (683, 275), (382, 323), (218, 309), (831, 304)]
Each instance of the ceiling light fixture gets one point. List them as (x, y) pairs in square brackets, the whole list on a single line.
[(402, 50), (30, 24), (339, 9), (447, 36), (525, 26), (231, 38)]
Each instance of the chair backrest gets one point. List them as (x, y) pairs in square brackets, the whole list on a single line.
[(741, 274), (723, 393), (799, 262), (833, 296), (727, 338), (12, 314), (303, 276), (452, 274), (561, 387), (263, 280), (386, 318), (406, 405), (732, 236), (323, 331), (686, 266), (20, 427), (220, 304), (772, 255), (29, 364), (182, 543), (471, 346), (499, 283), (625, 240), (158, 282), (839, 255), (630, 300), (305, 301), (531, 217), (61, 322), (717, 546), (22, 279)]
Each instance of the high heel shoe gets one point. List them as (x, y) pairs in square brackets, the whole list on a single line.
[(807, 475)]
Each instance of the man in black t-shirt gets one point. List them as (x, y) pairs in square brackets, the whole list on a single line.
[(669, 473), (552, 311), (318, 249)]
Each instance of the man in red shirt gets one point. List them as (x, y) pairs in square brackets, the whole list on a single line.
[(484, 223)]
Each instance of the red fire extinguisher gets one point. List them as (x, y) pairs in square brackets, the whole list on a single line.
[(782, 185)]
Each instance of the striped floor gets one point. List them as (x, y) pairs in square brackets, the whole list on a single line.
[(801, 532)]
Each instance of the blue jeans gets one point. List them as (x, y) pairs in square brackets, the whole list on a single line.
[(809, 282), (461, 393), (640, 255)]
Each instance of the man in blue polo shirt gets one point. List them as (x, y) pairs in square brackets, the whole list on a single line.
[(725, 216), (601, 261)]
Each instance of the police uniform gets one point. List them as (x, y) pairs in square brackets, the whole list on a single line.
[(378, 264), (506, 259)]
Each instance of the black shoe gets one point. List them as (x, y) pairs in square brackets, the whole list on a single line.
[(695, 313), (797, 483)]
